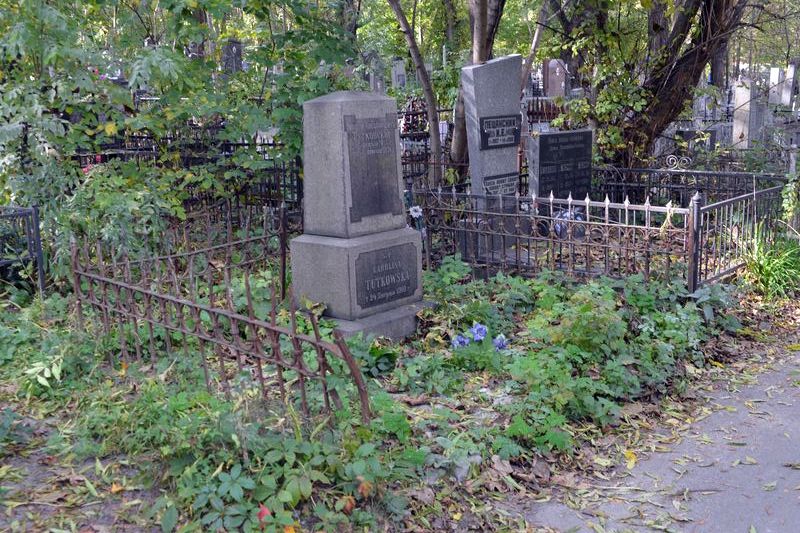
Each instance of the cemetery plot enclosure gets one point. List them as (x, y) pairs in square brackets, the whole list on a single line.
[(215, 299), (697, 225), (20, 243)]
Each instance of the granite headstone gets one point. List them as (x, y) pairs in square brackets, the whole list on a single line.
[(494, 122), (561, 163), (356, 256)]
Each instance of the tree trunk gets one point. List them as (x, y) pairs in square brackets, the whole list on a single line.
[(537, 35), (478, 15), (450, 18), (434, 174), (482, 45)]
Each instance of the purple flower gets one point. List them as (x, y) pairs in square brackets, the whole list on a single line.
[(500, 342), (460, 341), (478, 331)]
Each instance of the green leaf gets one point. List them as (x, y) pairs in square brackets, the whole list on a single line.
[(169, 519)]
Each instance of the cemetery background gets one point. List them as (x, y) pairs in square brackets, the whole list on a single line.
[(197, 297)]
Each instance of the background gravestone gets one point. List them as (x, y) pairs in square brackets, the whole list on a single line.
[(356, 256), (789, 84), (556, 84), (561, 163), (494, 123), (399, 74), (743, 101), (776, 80)]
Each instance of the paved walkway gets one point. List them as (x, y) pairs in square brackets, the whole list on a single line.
[(737, 470)]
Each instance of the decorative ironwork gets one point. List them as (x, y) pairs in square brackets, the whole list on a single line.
[(528, 234)]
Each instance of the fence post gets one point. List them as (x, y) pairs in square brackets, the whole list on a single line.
[(283, 237), (76, 281), (37, 237), (693, 274)]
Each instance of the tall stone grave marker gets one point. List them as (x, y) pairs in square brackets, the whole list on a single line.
[(399, 74), (789, 85), (776, 81), (744, 97), (356, 255), (494, 122), (556, 81)]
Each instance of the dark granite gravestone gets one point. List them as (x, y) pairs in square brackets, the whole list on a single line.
[(561, 162), (356, 256)]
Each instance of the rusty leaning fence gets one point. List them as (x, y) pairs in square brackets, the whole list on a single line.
[(222, 304)]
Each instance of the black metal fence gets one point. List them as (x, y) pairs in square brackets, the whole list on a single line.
[(657, 223), (253, 171), (20, 243)]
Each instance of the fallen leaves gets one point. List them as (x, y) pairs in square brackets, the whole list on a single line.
[(630, 459)]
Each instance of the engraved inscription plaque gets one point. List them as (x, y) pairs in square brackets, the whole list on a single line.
[(500, 132), (386, 275), (564, 163), (373, 166), (504, 184)]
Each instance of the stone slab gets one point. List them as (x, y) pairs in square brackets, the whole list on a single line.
[(396, 324), (352, 173), (361, 276), (561, 163), (494, 122)]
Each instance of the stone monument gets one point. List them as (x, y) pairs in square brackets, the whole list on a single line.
[(494, 123), (556, 80), (356, 255), (398, 74), (744, 97), (789, 85), (776, 80)]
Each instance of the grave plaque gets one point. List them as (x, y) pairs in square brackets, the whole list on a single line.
[(373, 166), (386, 275), (562, 163), (505, 184), (500, 132)]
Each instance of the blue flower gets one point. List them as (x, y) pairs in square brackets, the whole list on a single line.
[(500, 342), (478, 331), (460, 341)]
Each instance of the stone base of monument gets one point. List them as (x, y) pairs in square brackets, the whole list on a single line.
[(395, 324), (360, 278)]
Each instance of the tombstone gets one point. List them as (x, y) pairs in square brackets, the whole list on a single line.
[(776, 80), (356, 255), (789, 85), (556, 79), (494, 122), (377, 83), (399, 74), (561, 163), (743, 103), (232, 56)]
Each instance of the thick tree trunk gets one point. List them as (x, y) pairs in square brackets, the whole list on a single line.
[(434, 174), (451, 20), (478, 15), (672, 85)]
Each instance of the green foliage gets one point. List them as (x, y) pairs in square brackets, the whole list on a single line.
[(773, 268)]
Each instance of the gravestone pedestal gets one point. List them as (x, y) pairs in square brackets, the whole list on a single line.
[(356, 256)]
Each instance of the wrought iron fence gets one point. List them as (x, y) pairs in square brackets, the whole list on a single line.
[(528, 234), (221, 303), (20, 243), (677, 186), (266, 179), (727, 230), (656, 223)]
